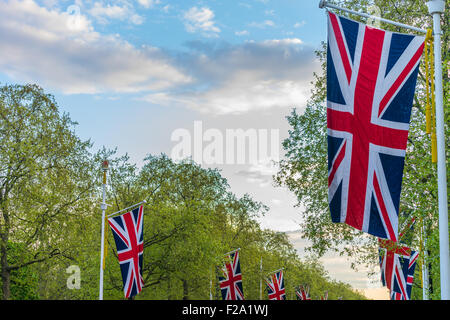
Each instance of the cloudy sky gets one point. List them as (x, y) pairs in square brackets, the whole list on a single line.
[(176, 77)]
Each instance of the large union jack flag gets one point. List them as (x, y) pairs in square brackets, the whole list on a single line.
[(275, 286), (302, 293), (371, 79), (128, 235), (231, 282)]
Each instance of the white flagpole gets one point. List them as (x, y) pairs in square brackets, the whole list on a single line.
[(435, 8), (424, 266), (102, 247), (210, 283), (260, 279)]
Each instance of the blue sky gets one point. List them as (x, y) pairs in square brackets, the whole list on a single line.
[(132, 73)]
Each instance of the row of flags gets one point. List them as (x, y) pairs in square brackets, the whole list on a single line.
[(127, 230), (230, 282), (371, 80)]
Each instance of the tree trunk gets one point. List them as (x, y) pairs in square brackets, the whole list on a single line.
[(185, 290), (5, 273)]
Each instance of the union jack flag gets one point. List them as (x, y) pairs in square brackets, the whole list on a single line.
[(397, 265), (231, 282), (408, 270), (128, 235), (275, 286), (371, 79), (302, 294)]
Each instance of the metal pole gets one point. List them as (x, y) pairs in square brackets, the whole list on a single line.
[(424, 266), (260, 279), (210, 284), (134, 205), (324, 4), (102, 247), (435, 8)]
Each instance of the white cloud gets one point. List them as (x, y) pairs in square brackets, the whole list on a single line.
[(299, 24), (288, 41), (166, 8), (262, 25), (276, 202), (242, 33), (148, 3), (103, 13), (196, 19), (243, 78), (63, 51), (260, 173)]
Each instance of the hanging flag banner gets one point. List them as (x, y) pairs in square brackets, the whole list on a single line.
[(371, 79), (408, 269), (301, 293), (128, 235), (231, 281), (275, 286), (397, 264)]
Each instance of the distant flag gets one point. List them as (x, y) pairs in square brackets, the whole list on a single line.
[(371, 80), (128, 235), (275, 286), (408, 270), (397, 265), (301, 293), (231, 281)]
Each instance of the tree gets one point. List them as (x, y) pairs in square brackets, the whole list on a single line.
[(45, 173), (305, 167)]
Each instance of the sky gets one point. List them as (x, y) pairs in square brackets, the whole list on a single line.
[(184, 78)]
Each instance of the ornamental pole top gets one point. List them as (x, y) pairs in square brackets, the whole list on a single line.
[(105, 165), (436, 6)]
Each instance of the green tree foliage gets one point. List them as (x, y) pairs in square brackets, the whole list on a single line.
[(50, 217), (44, 172), (304, 170)]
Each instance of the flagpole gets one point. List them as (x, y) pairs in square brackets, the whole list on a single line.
[(102, 247), (435, 8), (260, 279), (324, 4), (424, 265), (210, 284)]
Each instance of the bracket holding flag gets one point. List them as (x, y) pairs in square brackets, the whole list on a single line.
[(325, 4)]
